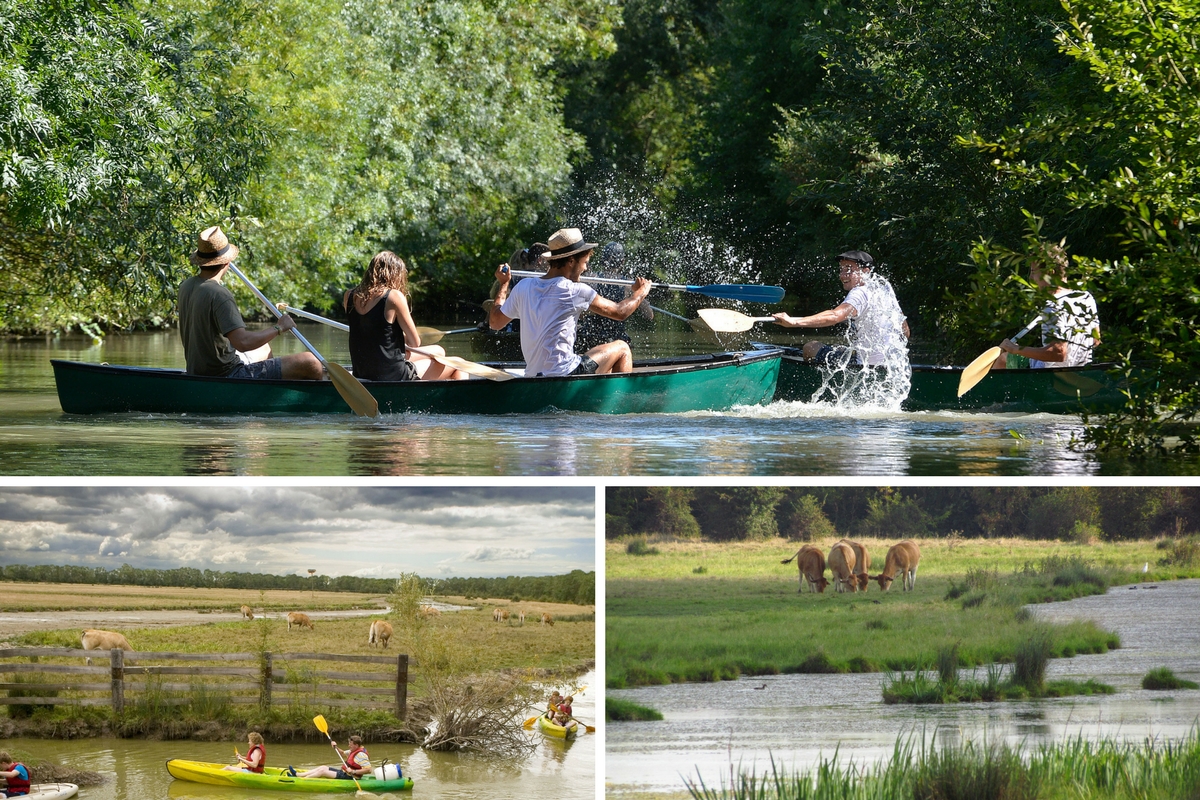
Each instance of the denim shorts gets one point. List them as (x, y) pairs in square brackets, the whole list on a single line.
[(834, 356), (271, 369)]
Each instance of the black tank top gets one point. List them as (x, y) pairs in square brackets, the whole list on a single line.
[(376, 345)]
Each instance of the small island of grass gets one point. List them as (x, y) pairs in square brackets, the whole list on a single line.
[(616, 710), (1162, 678)]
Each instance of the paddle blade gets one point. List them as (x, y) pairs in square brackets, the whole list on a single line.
[(321, 724), (976, 370), (722, 320), (529, 722), (471, 368), (430, 335), (745, 292), (354, 393)]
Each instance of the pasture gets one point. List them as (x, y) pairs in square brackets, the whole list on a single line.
[(83, 597), (701, 611)]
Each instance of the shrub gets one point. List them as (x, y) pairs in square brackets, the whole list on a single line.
[(639, 547), (802, 519), (1163, 678), (1030, 660), (1181, 553), (974, 600), (701, 570), (1084, 533), (817, 663)]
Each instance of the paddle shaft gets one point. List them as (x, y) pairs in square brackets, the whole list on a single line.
[(271, 307), (750, 292), (671, 314), (1032, 324), (341, 326)]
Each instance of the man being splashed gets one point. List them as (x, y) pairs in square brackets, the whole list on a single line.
[(878, 329)]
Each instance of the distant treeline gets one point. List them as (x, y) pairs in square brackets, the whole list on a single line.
[(1082, 513), (575, 587)]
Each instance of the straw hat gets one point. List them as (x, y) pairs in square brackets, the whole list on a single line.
[(567, 242), (213, 248)]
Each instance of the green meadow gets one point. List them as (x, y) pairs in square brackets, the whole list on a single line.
[(697, 611)]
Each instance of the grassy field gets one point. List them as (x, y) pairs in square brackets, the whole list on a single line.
[(83, 597), (700, 611)]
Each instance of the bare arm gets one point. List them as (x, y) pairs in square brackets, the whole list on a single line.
[(245, 340), (823, 320), (398, 304), (1055, 352), (623, 310), (496, 319)]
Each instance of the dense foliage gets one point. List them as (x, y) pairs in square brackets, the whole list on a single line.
[(1080, 513), (575, 587)]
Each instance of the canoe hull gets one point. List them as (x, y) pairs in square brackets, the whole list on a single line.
[(273, 779), (51, 791), (700, 383), (556, 731), (1068, 390)]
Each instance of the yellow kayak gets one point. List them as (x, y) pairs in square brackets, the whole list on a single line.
[(275, 778), (551, 728)]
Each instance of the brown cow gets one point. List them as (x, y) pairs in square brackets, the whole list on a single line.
[(104, 640), (521, 616), (841, 564), (381, 632), (247, 612), (862, 564), (429, 612), (547, 620), (902, 559), (811, 566), (299, 619)]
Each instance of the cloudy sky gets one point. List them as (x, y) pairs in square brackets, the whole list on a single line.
[(373, 532)]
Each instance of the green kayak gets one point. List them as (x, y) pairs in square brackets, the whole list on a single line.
[(276, 779)]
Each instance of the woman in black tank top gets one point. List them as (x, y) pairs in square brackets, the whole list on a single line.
[(381, 327)]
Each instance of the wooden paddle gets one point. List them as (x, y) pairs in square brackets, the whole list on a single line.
[(428, 335), (586, 727), (323, 727), (748, 292), (354, 393), (722, 320), (980, 367)]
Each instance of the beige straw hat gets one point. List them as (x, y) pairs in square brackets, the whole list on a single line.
[(568, 242), (213, 248)]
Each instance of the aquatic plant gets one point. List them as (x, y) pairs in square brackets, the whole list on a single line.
[(1161, 678), (1032, 656), (618, 710)]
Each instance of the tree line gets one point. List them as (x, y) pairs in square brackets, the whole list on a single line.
[(1079, 513), (953, 139), (577, 587)]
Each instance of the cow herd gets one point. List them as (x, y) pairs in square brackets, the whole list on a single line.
[(503, 615), (849, 563)]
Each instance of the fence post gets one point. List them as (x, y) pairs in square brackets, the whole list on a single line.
[(267, 678), (402, 686), (118, 680)]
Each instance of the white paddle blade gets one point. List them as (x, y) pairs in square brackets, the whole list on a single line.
[(430, 335), (471, 368), (976, 370), (722, 320)]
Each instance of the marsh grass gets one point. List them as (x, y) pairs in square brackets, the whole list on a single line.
[(1162, 678), (922, 769), (619, 710)]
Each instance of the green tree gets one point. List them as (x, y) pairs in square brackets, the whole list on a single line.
[(737, 514), (800, 518)]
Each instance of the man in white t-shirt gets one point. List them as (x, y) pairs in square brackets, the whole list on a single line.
[(549, 308), (1070, 321), (878, 329)]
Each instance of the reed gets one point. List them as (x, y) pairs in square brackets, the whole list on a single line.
[(619, 710), (1162, 678)]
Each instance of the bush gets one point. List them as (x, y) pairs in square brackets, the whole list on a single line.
[(802, 519), (1030, 660), (1181, 552), (1163, 678), (639, 547)]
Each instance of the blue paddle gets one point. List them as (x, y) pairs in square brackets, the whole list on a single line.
[(746, 292)]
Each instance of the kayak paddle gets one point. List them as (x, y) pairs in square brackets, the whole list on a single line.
[(354, 393), (746, 292), (978, 369), (323, 727), (428, 336), (723, 320)]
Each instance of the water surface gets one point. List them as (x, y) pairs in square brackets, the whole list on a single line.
[(797, 719), (36, 438)]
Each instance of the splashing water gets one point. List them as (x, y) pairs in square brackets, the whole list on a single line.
[(874, 371)]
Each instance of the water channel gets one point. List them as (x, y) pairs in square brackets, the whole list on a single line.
[(36, 438), (135, 769), (798, 719)]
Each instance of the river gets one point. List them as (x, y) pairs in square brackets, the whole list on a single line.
[(797, 719), (135, 769), (36, 438)]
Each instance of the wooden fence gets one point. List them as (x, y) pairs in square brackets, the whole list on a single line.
[(128, 679)]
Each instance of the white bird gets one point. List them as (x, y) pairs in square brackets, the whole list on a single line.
[(1145, 567)]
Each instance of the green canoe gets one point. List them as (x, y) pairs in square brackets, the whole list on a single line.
[(275, 779), (711, 382), (1067, 390)]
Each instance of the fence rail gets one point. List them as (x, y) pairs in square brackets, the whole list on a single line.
[(129, 679)]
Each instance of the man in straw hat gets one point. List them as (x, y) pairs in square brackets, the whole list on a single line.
[(215, 339), (878, 329), (549, 308)]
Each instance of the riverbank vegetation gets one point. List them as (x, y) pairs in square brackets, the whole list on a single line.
[(1162, 678), (921, 769), (618, 710)]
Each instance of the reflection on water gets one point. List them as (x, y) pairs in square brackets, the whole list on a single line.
[(36, 438), (137, 768), (799, 718)]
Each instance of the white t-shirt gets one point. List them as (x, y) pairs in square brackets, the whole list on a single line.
[(1073, 318), (876, 332), (549, 309)]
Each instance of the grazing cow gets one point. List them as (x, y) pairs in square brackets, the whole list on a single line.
[(811, 565), (381, 632), (547, 620), (247, 612), (299, 619), (429, 612), (902, 559), (841, 563), (521, 616), (862, 564), (104, 640)]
